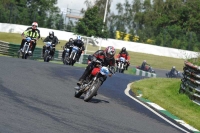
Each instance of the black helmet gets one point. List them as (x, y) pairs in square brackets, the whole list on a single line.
[(123, 49), (51, 34)]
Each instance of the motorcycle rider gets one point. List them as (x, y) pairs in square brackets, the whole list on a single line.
[(105, 56), (50, 38), (36, 28), (68, 45), (123, 53), (33, 34), (79, 43), (172, 71), (144, 63)]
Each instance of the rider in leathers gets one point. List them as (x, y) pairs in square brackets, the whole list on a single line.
[(51, 38), (123, 53), (79, 43), (68, 45), (107, 59)]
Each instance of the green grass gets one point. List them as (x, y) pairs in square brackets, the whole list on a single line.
[(162, 91), (136, 58), (165, 92)]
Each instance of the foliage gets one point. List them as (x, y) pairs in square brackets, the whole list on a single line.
[(25, 12), (169, 23), (91, 24)]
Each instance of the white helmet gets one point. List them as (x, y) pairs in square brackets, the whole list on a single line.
[(173, 67), (34, 25), (79, 38)]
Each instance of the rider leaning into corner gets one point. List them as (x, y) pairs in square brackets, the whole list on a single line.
[(123, 53), (33, 33), (173, 70), (144, 63), (107, 59)]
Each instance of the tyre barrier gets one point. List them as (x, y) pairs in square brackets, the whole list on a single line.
[(10, 49), (143, 73), (190, 83)]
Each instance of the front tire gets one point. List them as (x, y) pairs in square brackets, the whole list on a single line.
[(46, 57), (92, 91)]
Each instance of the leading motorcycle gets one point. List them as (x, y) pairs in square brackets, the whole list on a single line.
[(92, 83), (25, 52)]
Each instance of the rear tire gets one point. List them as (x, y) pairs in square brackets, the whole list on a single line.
[(78, 93)]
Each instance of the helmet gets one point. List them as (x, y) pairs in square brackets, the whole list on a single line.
[(123, 49), (109, 52), (51, 34), (144, 61), (174, 67), (79, 38), (71, 39), (34, 25)]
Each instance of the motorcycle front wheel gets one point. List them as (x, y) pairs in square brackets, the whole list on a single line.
[(92, 91), (46, 57)]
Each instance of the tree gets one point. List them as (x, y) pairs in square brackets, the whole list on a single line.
[(91, 24), (26, 11)]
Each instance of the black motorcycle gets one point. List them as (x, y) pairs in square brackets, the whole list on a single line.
[(175, 74), (70, 59), (48, 52)]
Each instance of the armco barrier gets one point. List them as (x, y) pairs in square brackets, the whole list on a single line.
[(143, 73), (190, 84), (10, 49)]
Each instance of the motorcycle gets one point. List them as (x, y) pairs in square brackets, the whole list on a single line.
[(92, 83), (176, 74), (121, 65), (147, 68), (71, 59), (48, 52), (25, 51)]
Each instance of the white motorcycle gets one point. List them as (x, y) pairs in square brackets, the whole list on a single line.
[(121, 65)]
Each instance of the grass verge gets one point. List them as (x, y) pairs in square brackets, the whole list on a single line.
[(165, 92), (136, 58)]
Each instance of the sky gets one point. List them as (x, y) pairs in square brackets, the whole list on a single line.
[(77, 5)]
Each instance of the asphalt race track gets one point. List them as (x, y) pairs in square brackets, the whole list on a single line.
[(38, 97)]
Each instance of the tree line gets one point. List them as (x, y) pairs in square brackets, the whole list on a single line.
[(27, 11), (168, 23)]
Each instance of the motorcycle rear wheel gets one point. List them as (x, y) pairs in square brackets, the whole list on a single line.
[(78, 93)]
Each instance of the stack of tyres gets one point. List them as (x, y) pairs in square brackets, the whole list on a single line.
[(190, 84)]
